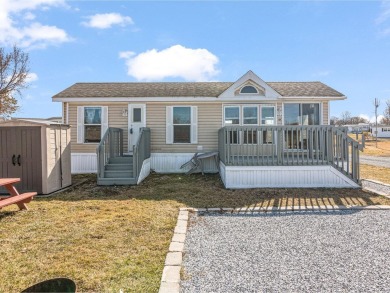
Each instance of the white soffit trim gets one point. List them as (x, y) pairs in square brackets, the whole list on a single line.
[(238, 99), (287, 98), (270, 93)]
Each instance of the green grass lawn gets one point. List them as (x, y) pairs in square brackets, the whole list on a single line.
[(112, 238)]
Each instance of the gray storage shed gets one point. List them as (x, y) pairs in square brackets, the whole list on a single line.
[(38, 152)]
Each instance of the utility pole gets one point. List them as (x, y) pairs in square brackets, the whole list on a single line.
[(376, 104)]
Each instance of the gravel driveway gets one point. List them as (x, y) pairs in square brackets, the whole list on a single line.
[(375, 161), (342, 251)]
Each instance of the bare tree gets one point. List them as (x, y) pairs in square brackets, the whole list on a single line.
[(13, 78), (345, 118), (357, 120), (334, 120), (386, 114)]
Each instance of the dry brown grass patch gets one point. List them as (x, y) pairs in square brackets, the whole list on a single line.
[(112, 238), (376, 173)]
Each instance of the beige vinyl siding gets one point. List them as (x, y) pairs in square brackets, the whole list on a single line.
[(115, 119), (325, 113), (209, 121), (210, 117)]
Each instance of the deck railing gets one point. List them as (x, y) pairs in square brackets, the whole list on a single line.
[(289, 146), (141, 150), (110, 146)]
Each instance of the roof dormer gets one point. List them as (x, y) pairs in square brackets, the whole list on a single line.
[(249, 87)]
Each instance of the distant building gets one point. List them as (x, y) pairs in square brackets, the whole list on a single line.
[(383, 131), (358, 128)]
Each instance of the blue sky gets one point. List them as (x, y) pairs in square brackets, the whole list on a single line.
[(344, 44)]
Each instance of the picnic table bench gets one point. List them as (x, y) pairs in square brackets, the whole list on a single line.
[(19, 199)]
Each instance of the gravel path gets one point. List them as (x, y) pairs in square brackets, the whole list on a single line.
[(340, 251), (375, 161)]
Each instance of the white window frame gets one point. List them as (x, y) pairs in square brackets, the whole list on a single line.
[(170, 126), (320, 107), (257, 116), (224, 115), (81, 125), (249, 85)]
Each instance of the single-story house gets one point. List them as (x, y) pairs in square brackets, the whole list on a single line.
[(268, 134), (358, 128), (383, 131)]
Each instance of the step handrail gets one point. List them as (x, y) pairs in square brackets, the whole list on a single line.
[(110, 146), (141, 151)]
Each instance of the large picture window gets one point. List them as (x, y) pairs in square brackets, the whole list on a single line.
[(302, 114)]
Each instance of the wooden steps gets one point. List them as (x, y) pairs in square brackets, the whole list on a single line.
[(118, 171)]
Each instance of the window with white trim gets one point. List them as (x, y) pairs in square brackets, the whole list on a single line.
[(301, 114), (232, 115), (92, 122), (249, 89), (181, 124), (248, 115)]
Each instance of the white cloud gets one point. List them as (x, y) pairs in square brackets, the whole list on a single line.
[(126, 54), (107, 20), (29, 16), (176, 61), (372, 118), (383, 20), (28, 33), (31, 77), (385, 13), (322, 73)]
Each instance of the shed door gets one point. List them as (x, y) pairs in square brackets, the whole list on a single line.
[(21, 156)]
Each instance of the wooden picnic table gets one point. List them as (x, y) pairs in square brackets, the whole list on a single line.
[(15, 198)]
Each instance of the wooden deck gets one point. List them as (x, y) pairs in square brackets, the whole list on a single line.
[(289, 146)]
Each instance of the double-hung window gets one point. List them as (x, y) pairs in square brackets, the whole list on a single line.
[(181, 124), (92, 122)]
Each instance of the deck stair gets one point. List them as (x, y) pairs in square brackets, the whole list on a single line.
[(118, 171), (116, 168)]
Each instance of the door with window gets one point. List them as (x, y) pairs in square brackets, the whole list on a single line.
[(300, 114), (136, 120)]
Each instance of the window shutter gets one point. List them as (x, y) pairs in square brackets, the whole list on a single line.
[(169, 125), (104, 120), (80, 124), (194, 124)]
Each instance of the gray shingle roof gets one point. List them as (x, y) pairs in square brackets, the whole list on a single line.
[(187, 89), (304, 89)]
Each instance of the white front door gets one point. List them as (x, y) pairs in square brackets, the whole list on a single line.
[(137, 119)]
